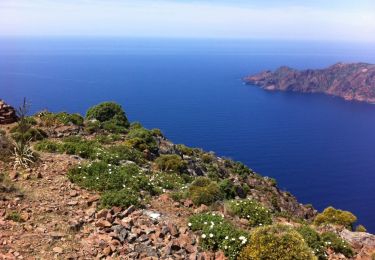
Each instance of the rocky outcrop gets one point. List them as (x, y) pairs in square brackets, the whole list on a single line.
[(355, 81), (362, 242), (7, 113)]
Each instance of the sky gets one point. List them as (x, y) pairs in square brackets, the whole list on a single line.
[(330, 20)]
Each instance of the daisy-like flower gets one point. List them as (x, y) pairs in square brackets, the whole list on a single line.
[(226, 237), (242, 238), (203, 235), (189, 224), (211, 235)]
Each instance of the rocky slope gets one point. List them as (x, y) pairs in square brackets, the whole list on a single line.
[(55, 209), (355, 81)]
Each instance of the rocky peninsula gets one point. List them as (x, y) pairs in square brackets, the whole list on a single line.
[(101, 187), (352, 81)]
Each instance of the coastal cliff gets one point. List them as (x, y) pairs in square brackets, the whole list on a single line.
[(354, 81), (100, 187)]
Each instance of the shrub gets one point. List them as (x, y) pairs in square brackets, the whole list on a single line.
[(251, 210), (31, 134), (336, 216), (337, 244), (204, 191), (207, 157), (51, 119), (6, 148), (141, 139), (14, 216), (276, 242), (170, 163), (227, 188), (47, 146), (313, 240), (218, 234), (360, 228), (241, 169), (111, 116), (120, 198)]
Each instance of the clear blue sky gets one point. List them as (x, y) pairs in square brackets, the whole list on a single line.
[(337, 20)]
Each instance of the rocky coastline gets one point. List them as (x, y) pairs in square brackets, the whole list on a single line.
[(350, 81)]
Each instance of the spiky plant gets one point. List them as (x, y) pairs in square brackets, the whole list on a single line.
[(23, 154)]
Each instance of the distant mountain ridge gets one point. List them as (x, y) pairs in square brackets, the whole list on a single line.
[(351, 81)]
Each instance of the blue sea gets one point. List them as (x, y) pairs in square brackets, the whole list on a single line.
[(320, 148)]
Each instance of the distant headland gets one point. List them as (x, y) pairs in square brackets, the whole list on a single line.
[(351, 81)]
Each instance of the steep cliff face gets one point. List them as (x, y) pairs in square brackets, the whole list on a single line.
[(355, 81)]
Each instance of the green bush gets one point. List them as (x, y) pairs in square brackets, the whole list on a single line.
[(52, 119), (251, 210), (120, 198), (141, 139), (170, 163), (337, 217), (111, 116), (241, 169), (228, 189), (337, 244), (360, 228), (276, 242), (33, 134), (204, 191), (313, 240), (47, 146), (218, 234)]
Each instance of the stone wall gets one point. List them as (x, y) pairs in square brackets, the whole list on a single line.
[(7, 113)]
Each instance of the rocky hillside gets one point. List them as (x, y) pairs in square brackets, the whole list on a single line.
[(101, 187), (355, 81)]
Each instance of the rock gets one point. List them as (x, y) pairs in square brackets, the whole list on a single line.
[(173, 229), (57, 250), (128, 211), (13, 175), (56, 235), (103, 223), (25, 216), (102, 213), (7, 113), (107, 251), (363, 243), (201, 209), (188, 203)]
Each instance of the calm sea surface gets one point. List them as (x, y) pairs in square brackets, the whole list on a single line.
[(322, 149)]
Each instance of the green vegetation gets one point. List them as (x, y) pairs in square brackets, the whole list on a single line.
[(141, 139), (111, 117), (14, 216), (313, 240), (276, 242), (218, 234), (90, 150), (251, 210), (170, 163), (338, 245), (119, 182), (23, 134), (337, 217), (204, 191), (49, 119), (360, 228)]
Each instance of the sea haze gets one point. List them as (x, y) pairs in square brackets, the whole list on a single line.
[(320, 148)]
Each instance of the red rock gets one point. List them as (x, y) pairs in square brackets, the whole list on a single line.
[(103, 223)]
